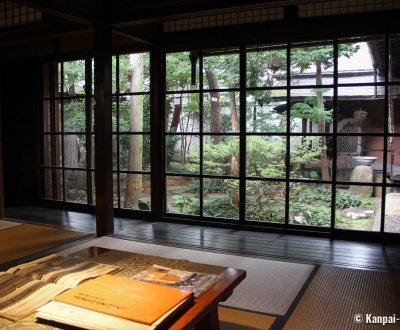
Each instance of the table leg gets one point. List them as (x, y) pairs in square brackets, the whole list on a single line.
[(210, 321)]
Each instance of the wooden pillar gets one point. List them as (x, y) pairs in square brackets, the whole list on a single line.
[(156, 133), (2, 212), (103, 125)]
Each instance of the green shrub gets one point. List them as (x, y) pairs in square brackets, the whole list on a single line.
[(368, 203), (220, 207), (345, 200)]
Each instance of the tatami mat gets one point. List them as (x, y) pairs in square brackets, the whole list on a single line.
[(25, 240), (270, 286), (4, 224), (234, 319), (344, 298)]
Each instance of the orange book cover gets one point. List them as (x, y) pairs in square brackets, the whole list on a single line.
[(126, 298)]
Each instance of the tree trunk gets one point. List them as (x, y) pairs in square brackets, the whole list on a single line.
[(321, 126), (215, 115), (234, 195), (133, 188), (173, 127)]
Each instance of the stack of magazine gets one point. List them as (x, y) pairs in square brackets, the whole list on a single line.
[(152, 299), (113, 302), (25, 287), (192, 281)]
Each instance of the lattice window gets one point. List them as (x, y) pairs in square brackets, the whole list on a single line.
[(224, 19), (13, 14), (340, 7), (350, 143)]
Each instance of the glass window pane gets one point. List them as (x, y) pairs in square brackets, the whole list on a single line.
[(392, 206), (75, 186), (51, 116), (183, 195), (114, 74), (183, 113), (134, 73), (93, 184), (221, 155), (114, 117), (265, 201), (92, 155), (309, 159), (47, 116), (221, 69), (221, 198), (311, 110), (361, 109), (221, 112), (74, 150), (361, 60), (394, 110), (266, 66), (115, 189), (50, 76), (182, 71), (92, 108), (311, 64), (60, 80), (266, 156), (74, 78), (135, 191), (394, 55), (310, 204), (357, 209), (52, 155), (52, 184), (266, 111), (134, 152), (74, 115), (393, 157), (358, 157), (182, 154), (134, 113)]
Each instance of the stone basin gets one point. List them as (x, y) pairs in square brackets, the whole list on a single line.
[(364, 160)]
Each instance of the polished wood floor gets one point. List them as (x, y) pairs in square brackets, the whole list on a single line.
[(294, 248)]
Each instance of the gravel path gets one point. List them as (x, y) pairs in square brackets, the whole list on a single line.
[(392, 224)]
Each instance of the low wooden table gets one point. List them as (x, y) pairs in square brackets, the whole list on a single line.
[(203, 314)]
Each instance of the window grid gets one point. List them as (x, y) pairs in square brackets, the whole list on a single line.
[(66, 183), (122, 172), (334, 184)]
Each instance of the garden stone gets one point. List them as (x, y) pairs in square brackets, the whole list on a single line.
[(144, 204), (355, 213), (393, 204), (362, 173)]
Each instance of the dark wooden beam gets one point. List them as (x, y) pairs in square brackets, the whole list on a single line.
[(137, 37), (103, 126), (45, 30), (73, 10)]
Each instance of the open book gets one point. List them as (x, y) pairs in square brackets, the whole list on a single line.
[(116, 300), (192, 281), (27, 286)]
